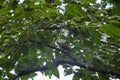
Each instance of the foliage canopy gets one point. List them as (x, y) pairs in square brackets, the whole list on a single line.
[(30, 30)]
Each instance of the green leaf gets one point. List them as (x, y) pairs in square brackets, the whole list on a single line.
[(24, 49), (56, 73), (103, 77), (58, 2), (94, 35), (115, 23), (68, 71), (1, 2), (76, 76), (111, 31), (74, 10), (5, 10), (3, 61), (33, 75), (88, 1)]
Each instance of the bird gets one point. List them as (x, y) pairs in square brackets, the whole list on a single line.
[(63, 46)]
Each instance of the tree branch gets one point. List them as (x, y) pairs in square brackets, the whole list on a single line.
[(26, 72), (82, 65), (63, 51), (51, 28), (61, 62), (74, 62)]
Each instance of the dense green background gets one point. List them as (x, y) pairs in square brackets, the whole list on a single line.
[(29, 31)]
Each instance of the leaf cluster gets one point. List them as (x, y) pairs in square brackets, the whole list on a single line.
[(30, 29)]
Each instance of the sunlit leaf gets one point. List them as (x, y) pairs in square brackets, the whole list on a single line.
[(5, 10)]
